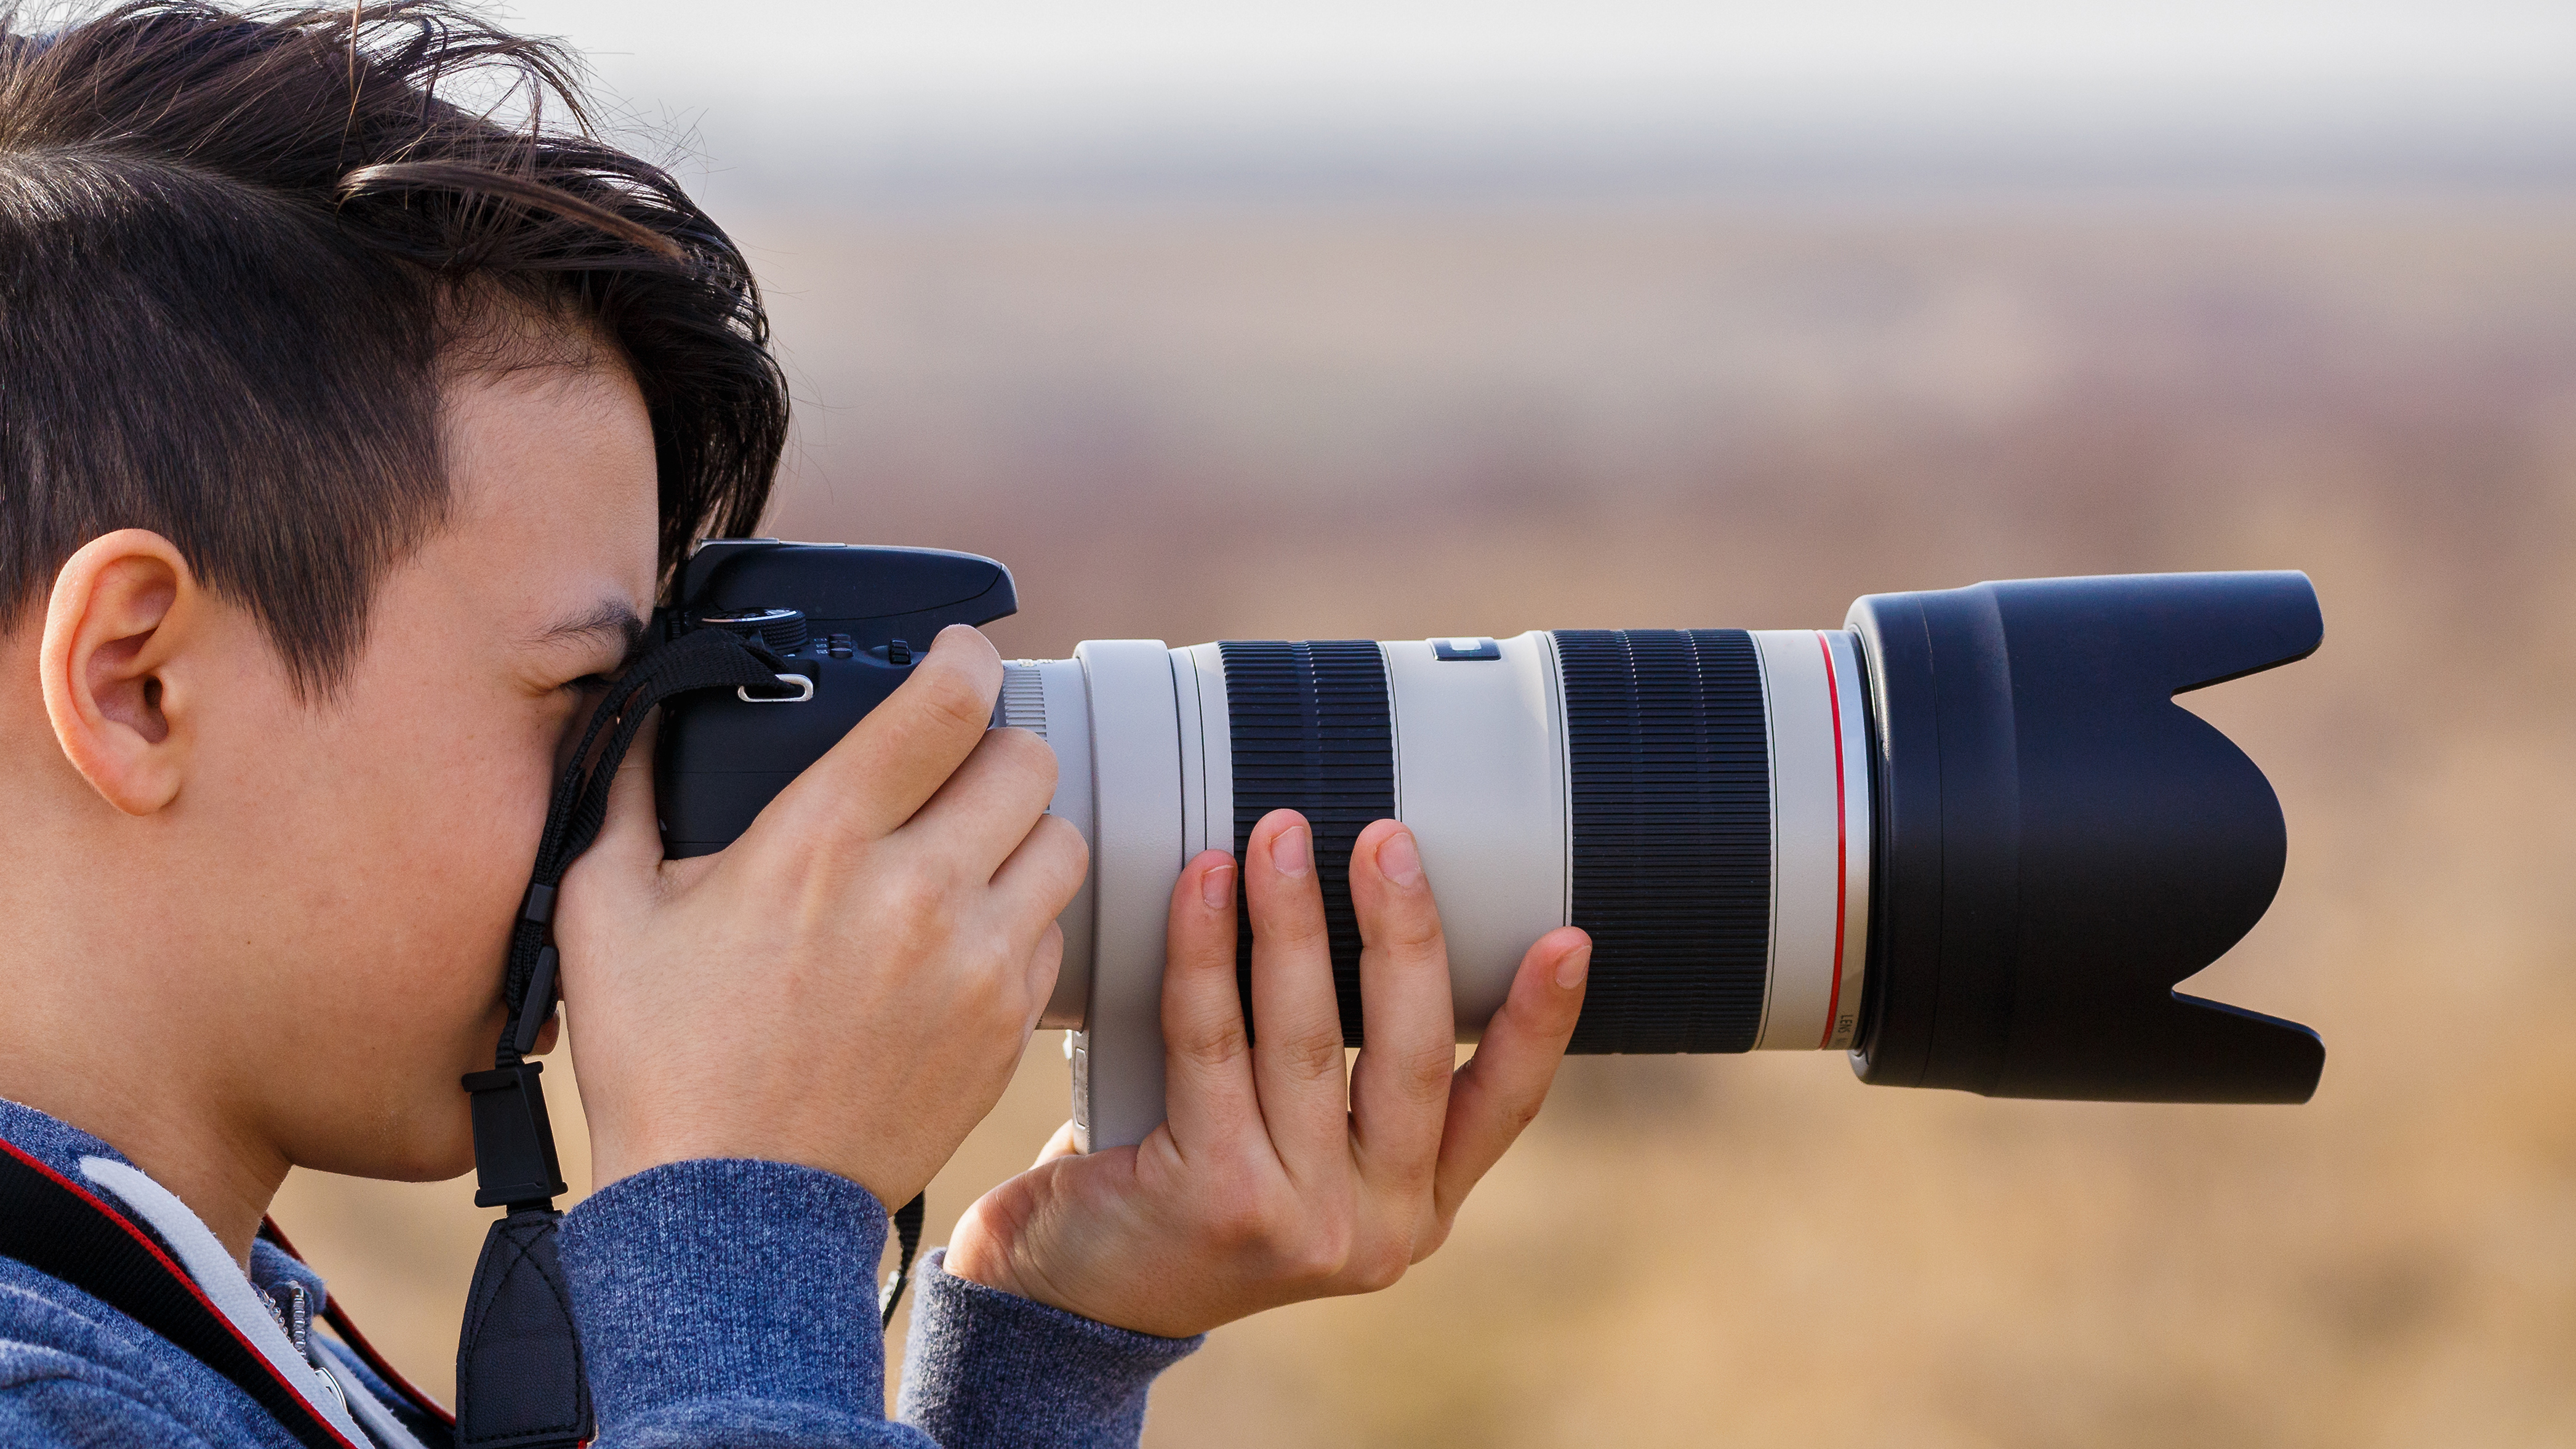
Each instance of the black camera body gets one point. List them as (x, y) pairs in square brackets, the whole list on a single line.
[(848, 620)]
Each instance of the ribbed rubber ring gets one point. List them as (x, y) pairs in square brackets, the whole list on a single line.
[(1311, 733), (1671, 787)]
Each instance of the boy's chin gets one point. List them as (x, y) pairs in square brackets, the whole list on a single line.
[(430, 1144), (446, 1161), (421, 1126)]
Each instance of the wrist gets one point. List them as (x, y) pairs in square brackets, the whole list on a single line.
[(615, 1159)]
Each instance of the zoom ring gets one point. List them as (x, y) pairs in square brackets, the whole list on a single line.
[(1671, 797), (1311, 733)]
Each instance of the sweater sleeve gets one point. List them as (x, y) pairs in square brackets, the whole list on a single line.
[(733, 1303), (989, 1368)]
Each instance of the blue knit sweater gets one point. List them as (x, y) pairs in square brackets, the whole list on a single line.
[(720, 1303)]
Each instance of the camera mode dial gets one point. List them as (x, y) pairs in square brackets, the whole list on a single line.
[(783, 630)]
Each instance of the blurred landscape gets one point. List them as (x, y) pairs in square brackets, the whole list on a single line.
[(1386, 418)]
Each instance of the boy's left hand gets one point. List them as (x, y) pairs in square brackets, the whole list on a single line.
[(1269, 1182)]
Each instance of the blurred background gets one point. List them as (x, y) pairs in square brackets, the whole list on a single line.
[(1385, 318)]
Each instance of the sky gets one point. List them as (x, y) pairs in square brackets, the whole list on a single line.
[(896, 92)]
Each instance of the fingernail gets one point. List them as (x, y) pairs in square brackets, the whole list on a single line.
[(1571, 967), (1292, 850), (1217, 886), (1398, 861)]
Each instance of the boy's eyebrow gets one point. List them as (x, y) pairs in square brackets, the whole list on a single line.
[(612, 618)]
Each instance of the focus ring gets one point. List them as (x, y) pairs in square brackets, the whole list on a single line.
[(1671, 865), (1311, 733)]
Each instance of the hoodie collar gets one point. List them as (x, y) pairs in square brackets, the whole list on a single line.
[(61, 1146)]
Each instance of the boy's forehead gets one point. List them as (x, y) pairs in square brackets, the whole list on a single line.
[(551, 476)]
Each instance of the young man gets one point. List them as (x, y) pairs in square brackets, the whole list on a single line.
[(347, 437)]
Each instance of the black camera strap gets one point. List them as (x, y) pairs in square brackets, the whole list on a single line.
[(520, 1382)]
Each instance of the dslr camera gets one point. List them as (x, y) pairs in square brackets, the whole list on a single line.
[(1968, 837)]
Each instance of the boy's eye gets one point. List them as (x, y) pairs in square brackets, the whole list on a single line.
[(587, 684)]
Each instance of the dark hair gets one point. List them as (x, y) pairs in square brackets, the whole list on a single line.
[(240, 249)]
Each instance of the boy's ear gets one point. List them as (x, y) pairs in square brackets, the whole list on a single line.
[(123, 608)]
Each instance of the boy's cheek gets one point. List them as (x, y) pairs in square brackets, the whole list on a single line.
[(417, 986)]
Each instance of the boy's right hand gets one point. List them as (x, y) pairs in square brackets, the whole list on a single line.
[(1276, 1177), (850, 984)]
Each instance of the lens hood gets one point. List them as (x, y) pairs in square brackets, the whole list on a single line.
[(2060, 842)]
